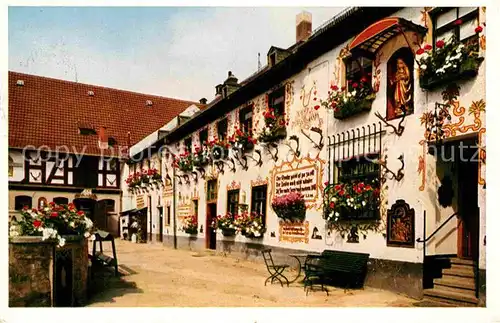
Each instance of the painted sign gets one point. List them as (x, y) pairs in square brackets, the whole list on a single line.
[(300, 175), (294, 232), (140, 202)]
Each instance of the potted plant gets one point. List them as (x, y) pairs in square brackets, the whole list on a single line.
[(191, 225), (184, 162), (52, 222), (274, 127), (290, 207), (449, 61), (355, 200), (200, 157), (345, 103), (226, 224), (219, 149), (241, 140), (133, 181), (250, 224)]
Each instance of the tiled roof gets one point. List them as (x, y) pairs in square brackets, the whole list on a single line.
[(48, 112)]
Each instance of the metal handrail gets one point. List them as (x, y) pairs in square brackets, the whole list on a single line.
[(439, 228)]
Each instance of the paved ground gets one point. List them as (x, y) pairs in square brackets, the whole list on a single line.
[(163, 277)]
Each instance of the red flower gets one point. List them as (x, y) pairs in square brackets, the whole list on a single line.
[(335, 88), (364, 80), (427, 47), (343, 88), (314, 99), (80, 213), (326, 183), (54, 214), (316, 107), (341, 193), (332, 205), (420, 51), (37, 223), (440, 43), (52, 203), (25, 207), (478, 29), (458, 22), (354, 85)]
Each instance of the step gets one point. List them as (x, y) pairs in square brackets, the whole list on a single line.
[(457, 282), (429, 302), (463, 267), (462, 261), (458, 272), (464, 292), (452, 297)]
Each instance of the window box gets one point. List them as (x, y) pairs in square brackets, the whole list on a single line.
[(226, 232), (274, 134), (466, 71), (353, 109)]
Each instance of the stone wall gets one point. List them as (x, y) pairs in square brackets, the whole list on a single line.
[(33, 275), (30, 272)]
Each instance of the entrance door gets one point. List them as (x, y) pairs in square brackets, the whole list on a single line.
[(211, 233), (160, 222), (468, 227)]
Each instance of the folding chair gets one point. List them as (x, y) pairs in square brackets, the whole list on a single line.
[(276, 271), (314, 273)]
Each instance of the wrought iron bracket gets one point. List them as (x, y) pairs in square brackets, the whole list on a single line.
[(195, 176), (201, 170), (275, 155), (318, 145), (186, 178), (232, 166), (399, 130), (179, 177), (242, 160), (220, 166), (398, 176), (295, 151), (257, 162)]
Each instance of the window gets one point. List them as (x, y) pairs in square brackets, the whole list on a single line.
[(233, 198), (355, 69), (85, 174), (276, 101), (60, 200), (11, 167), (246, 115), (445, 24), (112, 141), (168, 215), (203, 136), (21, 201), (222, 129), (259, 201), (212, 190), (195, 208), (87, 131), (188, 142)]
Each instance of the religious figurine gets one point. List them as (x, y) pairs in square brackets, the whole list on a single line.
[(402, 87), (399, 231)]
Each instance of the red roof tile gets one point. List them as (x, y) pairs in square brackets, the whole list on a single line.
[(49, 112)]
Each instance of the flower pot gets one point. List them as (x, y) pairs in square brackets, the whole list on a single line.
[(248, 146), (228, 232), (467, 70), (362, 106)]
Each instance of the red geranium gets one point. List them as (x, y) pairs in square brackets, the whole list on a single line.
[(37, 223), (420, 51), (458, 22), (316, 107), (440, 43), (54, 214), (427, 47), (478, 29)]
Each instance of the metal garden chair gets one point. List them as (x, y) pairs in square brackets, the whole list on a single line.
[(276, 271)]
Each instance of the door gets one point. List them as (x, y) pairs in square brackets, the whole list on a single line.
[(211, 233), (160, 223), (468, 237), (150, 219)]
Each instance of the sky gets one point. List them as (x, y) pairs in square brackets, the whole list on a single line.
[(179, 52)]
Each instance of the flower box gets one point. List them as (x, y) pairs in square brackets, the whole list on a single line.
[(355, 108), (466, 71), (276, 135), (290, 207), (228, 232)]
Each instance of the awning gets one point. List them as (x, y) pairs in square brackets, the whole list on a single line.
[(369, 40)]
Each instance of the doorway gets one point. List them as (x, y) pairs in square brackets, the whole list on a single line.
[(160, 222), (468, 223), (211, 233), (150, 218)]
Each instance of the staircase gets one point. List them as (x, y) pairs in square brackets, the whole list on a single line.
[(455, 288)]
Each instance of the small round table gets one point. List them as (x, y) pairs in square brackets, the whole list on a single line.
[(298, 257)]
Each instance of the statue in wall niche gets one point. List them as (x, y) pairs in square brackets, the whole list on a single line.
[(316, 235), (400, 84), (445, 192)]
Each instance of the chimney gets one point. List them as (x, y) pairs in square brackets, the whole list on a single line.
[(203, 101), (218, 89), (103, 138), (303, 25)]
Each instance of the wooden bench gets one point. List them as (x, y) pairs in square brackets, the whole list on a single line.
[(336, 268)]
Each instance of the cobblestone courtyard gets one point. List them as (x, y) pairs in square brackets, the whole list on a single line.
[(157, 276)]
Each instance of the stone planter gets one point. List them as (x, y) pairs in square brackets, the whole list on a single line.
[(42, 275), (466, 71), (363, 106)]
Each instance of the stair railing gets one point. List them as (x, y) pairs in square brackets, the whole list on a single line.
[(425, 239)]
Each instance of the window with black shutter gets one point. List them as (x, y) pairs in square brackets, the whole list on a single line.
[(233, 201), (259, 201)]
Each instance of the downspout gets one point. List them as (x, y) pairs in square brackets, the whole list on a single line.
[(174, 214)]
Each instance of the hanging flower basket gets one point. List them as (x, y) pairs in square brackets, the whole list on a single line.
[(226, 224), (250, 224), (242, 140), (274, 128), (190, 225), (184, 162), (450, 61)]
